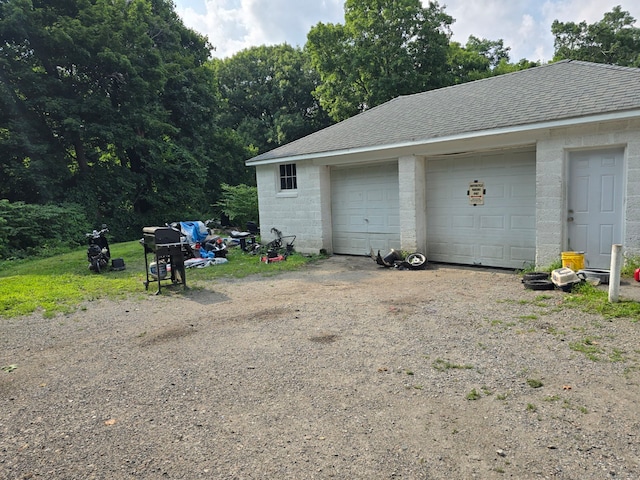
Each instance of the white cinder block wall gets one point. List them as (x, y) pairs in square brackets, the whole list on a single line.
[(305, 212), (552, 156), (413, 209)]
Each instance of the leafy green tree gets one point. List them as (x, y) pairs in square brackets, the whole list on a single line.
[(385, 48), (612, 40), (239, 203), (29, 229), (506, 67), (268, 90), (111, 104), (481, 58), (493, 51)]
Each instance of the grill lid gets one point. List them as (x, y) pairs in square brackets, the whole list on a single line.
[(161, 235)]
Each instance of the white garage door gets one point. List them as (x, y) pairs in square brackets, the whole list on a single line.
[(365, 209), (500, 230)]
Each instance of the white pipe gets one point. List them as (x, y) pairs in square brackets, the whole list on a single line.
[(614, 276)]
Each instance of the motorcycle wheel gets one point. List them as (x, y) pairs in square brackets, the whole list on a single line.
[(416, 261)]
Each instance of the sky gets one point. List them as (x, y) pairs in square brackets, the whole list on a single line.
[(523, 25)]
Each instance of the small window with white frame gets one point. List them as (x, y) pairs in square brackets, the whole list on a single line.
[(288, 177)]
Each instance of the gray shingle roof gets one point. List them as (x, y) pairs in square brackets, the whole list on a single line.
[(557, 91)]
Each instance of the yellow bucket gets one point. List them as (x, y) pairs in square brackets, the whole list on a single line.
[(573, 260)]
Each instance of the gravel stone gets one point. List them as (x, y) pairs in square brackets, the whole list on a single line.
[(343, 369)]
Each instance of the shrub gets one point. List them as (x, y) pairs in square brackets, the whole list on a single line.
[(239, 203), (40, 230)]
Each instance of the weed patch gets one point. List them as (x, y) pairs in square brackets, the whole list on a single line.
[(534, 383), (588, 298), (473, 395), (589, 347), (443, 365)]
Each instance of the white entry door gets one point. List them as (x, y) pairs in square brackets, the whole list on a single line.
[(595, 204)]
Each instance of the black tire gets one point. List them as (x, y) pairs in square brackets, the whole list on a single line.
[(416, 261), (535, 276), (539, 285)]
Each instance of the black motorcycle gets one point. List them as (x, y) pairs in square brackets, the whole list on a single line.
[(98, 253)]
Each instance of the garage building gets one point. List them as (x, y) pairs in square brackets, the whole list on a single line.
[(507, 171)]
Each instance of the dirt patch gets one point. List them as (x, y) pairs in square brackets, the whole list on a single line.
[(341, 370)]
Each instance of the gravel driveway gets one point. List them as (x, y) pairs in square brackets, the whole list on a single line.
[(341, 370)]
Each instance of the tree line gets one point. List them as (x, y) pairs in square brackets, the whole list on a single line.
[(117, 107)]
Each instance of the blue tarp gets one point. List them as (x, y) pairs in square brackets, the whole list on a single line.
[(195, 232)]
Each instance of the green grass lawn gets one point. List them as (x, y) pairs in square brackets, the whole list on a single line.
[(62, 283)]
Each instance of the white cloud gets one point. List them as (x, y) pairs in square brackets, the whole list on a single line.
[(523, 25), (233, 25)]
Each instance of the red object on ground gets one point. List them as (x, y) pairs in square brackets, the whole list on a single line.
[(278, 258), (636, 275)]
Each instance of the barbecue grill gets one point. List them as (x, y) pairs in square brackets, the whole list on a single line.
[(168, 247)]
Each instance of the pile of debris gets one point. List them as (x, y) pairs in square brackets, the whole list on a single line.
[(565, 278), (395, 259), (211, 249)]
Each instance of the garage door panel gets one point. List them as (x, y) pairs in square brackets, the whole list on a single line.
[(439, 165), (375, 196), (522, 254), (438, 222), (356, 223), (523, 222), (382, 224), (340, 221), (355, 198), (492, 222), (369, 197), (494, 252), (523, 191), (496, 191), (500, 232), (461, 250), (462, 221), (461, 168), (376, 223), (350, 242), (380, 242)]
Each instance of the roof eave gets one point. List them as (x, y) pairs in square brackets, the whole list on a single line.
[(425, 143)]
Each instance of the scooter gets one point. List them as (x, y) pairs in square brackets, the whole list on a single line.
[(217, 245), (413, 261), (98, 253)]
